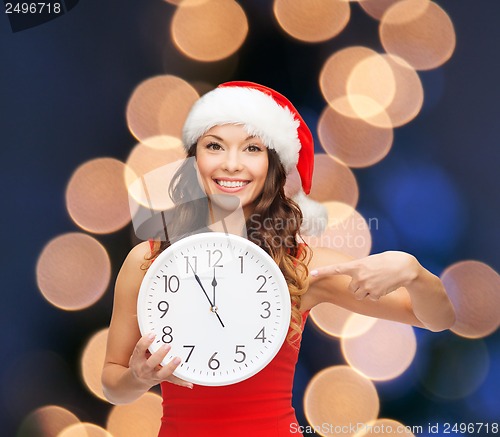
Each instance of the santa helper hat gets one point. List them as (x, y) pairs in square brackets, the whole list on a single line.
[(271, 116)]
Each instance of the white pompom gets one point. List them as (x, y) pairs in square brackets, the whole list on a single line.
[(315, 215)]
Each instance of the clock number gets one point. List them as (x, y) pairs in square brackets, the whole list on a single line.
[(260, 290), (163, 307), (243, 354), (241, 263), (189, 265), (171, 284), (261, 335), (167, 337), (266, 309), (213, 362), (214, 253), (190, 352)]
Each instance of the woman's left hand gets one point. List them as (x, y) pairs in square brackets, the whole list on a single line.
[(376, 275)]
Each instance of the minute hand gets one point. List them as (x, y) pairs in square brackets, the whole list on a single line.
[(203, 288), (212, 307)]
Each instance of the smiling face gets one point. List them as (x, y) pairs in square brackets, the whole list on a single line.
[(231, 162)]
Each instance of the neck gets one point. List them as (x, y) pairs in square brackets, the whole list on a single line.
[(225, 217)]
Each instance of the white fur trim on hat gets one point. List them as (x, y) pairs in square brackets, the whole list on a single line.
[(258, 112), (314, 214)]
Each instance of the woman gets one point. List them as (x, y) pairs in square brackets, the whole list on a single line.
[(244, 139)]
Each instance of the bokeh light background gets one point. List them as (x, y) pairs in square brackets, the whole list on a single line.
[(403, 100)]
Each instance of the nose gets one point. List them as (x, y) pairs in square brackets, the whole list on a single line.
[(232, 162)]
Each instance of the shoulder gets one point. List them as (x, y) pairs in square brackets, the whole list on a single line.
[(138, 254), (132, 272)]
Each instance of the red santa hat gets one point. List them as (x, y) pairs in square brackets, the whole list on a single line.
[(272, 117)]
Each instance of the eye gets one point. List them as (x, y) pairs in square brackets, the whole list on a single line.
[(254, 148), (213, 146)]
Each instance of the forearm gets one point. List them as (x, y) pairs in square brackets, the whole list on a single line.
[(429, 300), (120, 386)]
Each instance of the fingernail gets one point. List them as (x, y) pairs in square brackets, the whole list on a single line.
[(166, 347), (314, 273), (190, 386), (151, 336), (177, 361)]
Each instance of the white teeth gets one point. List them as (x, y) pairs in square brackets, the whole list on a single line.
[(231, 184)]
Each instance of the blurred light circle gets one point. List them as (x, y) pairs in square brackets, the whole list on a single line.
[(47, 421), (73, 271), (365, 95), (148, 173), (373, 77), (383, 90), (139, 418), (383, 352), (333, 181), (474, 290), (209, 31), (340, 396), (332, 320), (312, 21), (92, 362), (145, 158), (409, 93), (453, 368), (376, 8), (385, 427), (336, 71), (172, 146), (418, 31), (352, 140), (149, 187), (363, 107), (347, 231), (150, 197), (96, 196), (159, 106), (84, 430)]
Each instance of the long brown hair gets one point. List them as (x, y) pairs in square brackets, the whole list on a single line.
[(274, 226)]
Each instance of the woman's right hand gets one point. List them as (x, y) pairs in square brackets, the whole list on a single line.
[(147, 368)]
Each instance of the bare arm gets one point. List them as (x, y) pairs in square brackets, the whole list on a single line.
[(129, 369), (429, 300), (390, 285)]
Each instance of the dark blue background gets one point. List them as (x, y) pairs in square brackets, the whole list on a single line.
[(64, 86)]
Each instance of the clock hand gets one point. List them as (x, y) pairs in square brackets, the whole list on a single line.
[(213, 308), (203, 288), (214, 284)]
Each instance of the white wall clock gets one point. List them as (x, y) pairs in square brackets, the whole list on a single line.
[(221, 302)]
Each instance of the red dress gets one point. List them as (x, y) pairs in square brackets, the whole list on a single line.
[(260, 406)]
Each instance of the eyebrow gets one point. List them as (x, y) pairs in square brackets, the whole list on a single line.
[(221, 139)]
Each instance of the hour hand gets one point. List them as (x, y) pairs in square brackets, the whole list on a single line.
[(214, 284)]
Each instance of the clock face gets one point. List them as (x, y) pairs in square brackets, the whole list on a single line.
[(221, 302)]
